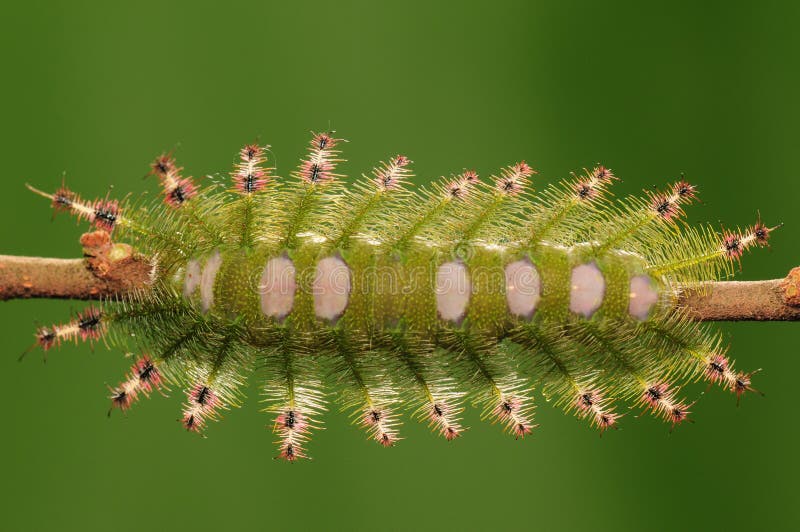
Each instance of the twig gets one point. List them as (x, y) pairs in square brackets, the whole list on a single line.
[(114, 271), (35, 277), (772, 300), (29, 277), (108, 269)]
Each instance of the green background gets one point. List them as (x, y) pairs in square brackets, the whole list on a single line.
[(96, 90)]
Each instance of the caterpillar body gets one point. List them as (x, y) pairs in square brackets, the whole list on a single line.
[(397, 301)]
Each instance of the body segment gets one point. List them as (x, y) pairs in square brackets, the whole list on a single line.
[(494, 288)]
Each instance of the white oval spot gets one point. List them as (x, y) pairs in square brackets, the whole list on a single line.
[(191, 278), (453, 290), (207, 281), (331, 288), (587, 290), (523, 288), (643, 297), (277, 287)]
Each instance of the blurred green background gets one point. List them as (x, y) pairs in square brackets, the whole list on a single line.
[(96, 90)]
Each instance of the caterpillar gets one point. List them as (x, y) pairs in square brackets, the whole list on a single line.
[(390, 301)]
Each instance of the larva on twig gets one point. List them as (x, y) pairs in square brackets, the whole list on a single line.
[(401, 301)]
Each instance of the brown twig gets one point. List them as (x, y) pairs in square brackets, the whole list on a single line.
[(772, 300), (108, 269), (28, 277), (113, 269)]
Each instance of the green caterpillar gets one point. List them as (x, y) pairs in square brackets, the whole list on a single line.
[(410, 301)]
